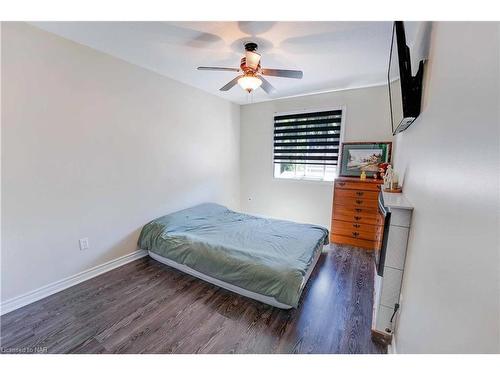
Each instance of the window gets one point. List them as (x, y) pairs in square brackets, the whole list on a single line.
[(306, 145)]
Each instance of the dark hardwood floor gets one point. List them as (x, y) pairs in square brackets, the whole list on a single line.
[(147, 307)]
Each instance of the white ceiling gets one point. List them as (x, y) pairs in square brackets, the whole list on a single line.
[(332, 55)]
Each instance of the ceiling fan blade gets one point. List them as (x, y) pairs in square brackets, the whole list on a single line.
[(218, 68), (266, 86), (230, 84), (283, 73), (252, 59)]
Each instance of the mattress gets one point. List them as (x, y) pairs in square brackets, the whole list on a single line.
[(265, 259)]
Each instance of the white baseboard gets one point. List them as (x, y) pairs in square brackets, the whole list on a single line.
[(45, 291)]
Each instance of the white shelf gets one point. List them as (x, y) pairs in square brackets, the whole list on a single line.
[(396, 200)]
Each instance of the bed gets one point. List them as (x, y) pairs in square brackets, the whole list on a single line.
[(264, 259)]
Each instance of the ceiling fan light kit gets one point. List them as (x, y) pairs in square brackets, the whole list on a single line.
[(249, 82), (253, 72)]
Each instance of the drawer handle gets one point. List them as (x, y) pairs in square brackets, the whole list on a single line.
[(341, 183), (356, 225), (359, 201), (360, 193), (358, 209), (357, 218), (355, 234)]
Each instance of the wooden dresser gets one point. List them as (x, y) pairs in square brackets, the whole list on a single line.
[(355, 217)]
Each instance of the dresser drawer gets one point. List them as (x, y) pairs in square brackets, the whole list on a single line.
[(356, 210), (372, 235), (357, 185), (341, 194), (355, 227), (357, 215), (356, 202), (345, 240)]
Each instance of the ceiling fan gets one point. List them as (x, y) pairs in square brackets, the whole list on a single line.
[(251, 78)]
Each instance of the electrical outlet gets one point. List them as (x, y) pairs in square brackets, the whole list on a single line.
[(84, 243)]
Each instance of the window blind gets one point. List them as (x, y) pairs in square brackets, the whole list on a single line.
[(307, 138)]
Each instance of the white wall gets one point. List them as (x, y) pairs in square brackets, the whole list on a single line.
[(95, 147), (367, 119), (450, 161)]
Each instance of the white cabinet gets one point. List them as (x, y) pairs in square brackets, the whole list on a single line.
[(391, 287), (388, 286), (396, 246)]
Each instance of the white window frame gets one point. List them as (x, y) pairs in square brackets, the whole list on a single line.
[(342, 132)]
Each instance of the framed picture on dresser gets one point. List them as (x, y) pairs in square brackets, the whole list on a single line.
[(357, 157)]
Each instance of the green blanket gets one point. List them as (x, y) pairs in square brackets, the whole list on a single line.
[(265, 256)]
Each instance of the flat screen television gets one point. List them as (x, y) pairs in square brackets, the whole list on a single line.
[(405, 90)]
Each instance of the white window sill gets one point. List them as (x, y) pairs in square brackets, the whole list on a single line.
[(304, 180)]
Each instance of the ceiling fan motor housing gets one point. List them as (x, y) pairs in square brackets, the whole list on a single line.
[(245, 68), (248, 68)]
